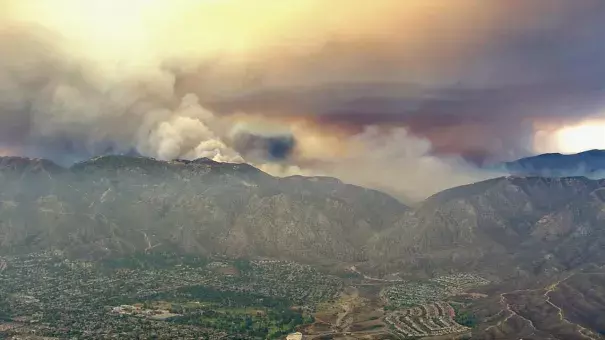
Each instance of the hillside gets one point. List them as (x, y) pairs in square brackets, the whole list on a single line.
[(115, 205), (507, 226)]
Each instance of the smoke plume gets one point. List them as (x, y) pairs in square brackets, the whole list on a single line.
[(388, 159), (402, 96), (51, 103)]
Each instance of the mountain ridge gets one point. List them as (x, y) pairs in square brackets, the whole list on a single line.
[(117, 204), (590, 163), (112, 205)]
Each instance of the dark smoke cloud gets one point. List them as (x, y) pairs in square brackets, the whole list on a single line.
[(255, 146), (479, 124), (371, 92), (536, 61)]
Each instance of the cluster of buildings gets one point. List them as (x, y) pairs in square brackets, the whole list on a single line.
[(137, 310), (435, 319)]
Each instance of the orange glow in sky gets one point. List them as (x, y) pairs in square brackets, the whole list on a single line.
[(573, 138)]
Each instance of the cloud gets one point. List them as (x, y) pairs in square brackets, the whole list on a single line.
[(271, 148), (53, 105), (473, 77), (402, 164), (185, 134), (391, 160)]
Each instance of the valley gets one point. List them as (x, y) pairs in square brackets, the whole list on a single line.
[(169, 295), (49, 295), (46, 294)]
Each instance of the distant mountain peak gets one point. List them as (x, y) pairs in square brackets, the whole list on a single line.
[(23, 164), (204, 160), (593, 152), (589, 163), (115, 162)]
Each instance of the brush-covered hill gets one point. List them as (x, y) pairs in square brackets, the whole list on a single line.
[(116, 204)]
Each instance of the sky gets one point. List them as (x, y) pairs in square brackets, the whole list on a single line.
[(406, 96)]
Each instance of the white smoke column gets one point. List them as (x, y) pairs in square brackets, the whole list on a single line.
[(402, 164), (49, 96), (391, 160), (185, 134), (285, 170)]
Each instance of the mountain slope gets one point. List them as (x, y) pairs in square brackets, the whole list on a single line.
[(116, 204), (520, 226), (524, 225)]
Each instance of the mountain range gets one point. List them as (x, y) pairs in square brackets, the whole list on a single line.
[(589, 163), (116, 204), (514, 226)]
